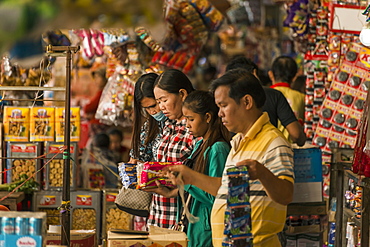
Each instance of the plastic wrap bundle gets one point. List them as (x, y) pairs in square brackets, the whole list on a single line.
[(238, 223)]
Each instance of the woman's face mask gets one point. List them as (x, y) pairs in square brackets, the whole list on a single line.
[(159, 116)]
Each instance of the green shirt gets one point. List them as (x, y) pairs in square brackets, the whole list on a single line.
[(200, 233)]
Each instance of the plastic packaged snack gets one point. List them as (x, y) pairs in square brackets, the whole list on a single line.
[(149, 174)]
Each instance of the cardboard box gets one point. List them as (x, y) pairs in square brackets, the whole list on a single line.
[(42, 124), (75, 124), (16, 123), (79, 238), (112, 217), (48, 202), (157, 237), (308, 175), (86, 211), (54, 171), (7, 240), (26, 164)]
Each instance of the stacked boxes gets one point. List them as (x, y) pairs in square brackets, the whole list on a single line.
[(22, 229), (75, 124), (48, 202), (24, 124), (54, 170), (42, 124), (86, 210), (16, 123), (25, 163), (113, 218)]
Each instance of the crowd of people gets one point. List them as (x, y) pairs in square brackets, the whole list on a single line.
[(238, 122)]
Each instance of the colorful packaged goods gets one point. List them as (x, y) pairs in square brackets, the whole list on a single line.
[(42, 124), (238, 223), (16, 123), (75, 124), (150, 172), (128, 174)]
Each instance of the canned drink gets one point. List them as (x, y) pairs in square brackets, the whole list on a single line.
[(7, 225), (35, 226), (21, 226)]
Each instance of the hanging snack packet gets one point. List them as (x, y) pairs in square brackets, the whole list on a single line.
[(238, 222)]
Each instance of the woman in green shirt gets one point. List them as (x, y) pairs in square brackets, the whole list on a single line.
[(208, 157), (211, 151)]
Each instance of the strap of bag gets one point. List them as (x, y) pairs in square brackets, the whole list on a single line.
[(183, 210)]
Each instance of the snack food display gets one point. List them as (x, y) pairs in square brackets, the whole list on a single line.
[(75, 124), (16, 123), (149, 174), (26, 164), (84, 219), (53, 173), (42, 124)]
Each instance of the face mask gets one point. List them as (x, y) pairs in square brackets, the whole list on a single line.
[(159, 116)]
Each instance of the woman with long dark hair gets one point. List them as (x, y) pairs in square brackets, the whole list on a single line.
[(176, 143), (208, 157), (148, 120)]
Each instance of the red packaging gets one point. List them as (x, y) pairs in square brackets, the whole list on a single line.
[(147, 178)]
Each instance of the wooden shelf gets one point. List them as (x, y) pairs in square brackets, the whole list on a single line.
[(350, 214), (25, 88)]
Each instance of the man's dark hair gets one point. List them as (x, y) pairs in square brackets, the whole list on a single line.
[(101, 140), (115, 132), (284, 69), (241, 82), (241, 62)]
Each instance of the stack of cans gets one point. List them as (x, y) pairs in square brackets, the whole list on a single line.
[(21, 225)]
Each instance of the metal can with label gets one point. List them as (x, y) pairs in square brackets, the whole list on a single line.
[(35, 226), (21, 226), (7, 225)]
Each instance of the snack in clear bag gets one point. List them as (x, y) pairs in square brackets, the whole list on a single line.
[(128, 174), (149, 174), (237, 220)]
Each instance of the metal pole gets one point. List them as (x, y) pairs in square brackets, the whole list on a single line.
[(66, 214)]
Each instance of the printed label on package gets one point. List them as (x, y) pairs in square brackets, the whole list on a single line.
[(85, 200), (48, 200)]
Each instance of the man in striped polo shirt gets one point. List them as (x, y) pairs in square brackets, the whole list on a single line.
[(258, 145)]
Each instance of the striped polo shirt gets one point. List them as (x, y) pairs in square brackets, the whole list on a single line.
[(267, 145)]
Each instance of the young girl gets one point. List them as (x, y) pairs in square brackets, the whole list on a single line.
[(202, 120), (176, 144)]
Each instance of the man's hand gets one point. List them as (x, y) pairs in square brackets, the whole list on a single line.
[(254, 168), (280, 190)]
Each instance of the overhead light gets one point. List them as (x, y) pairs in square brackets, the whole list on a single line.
[(365, 32), (365, 35)]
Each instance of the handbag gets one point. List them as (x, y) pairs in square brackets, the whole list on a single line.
[(133, 201)]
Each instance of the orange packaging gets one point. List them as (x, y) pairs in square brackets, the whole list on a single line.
[(75, 124), (42, 124), (16, 123)]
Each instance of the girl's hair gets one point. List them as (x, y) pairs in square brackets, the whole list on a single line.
[(202, 102), (172, 81), (143, 88)]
